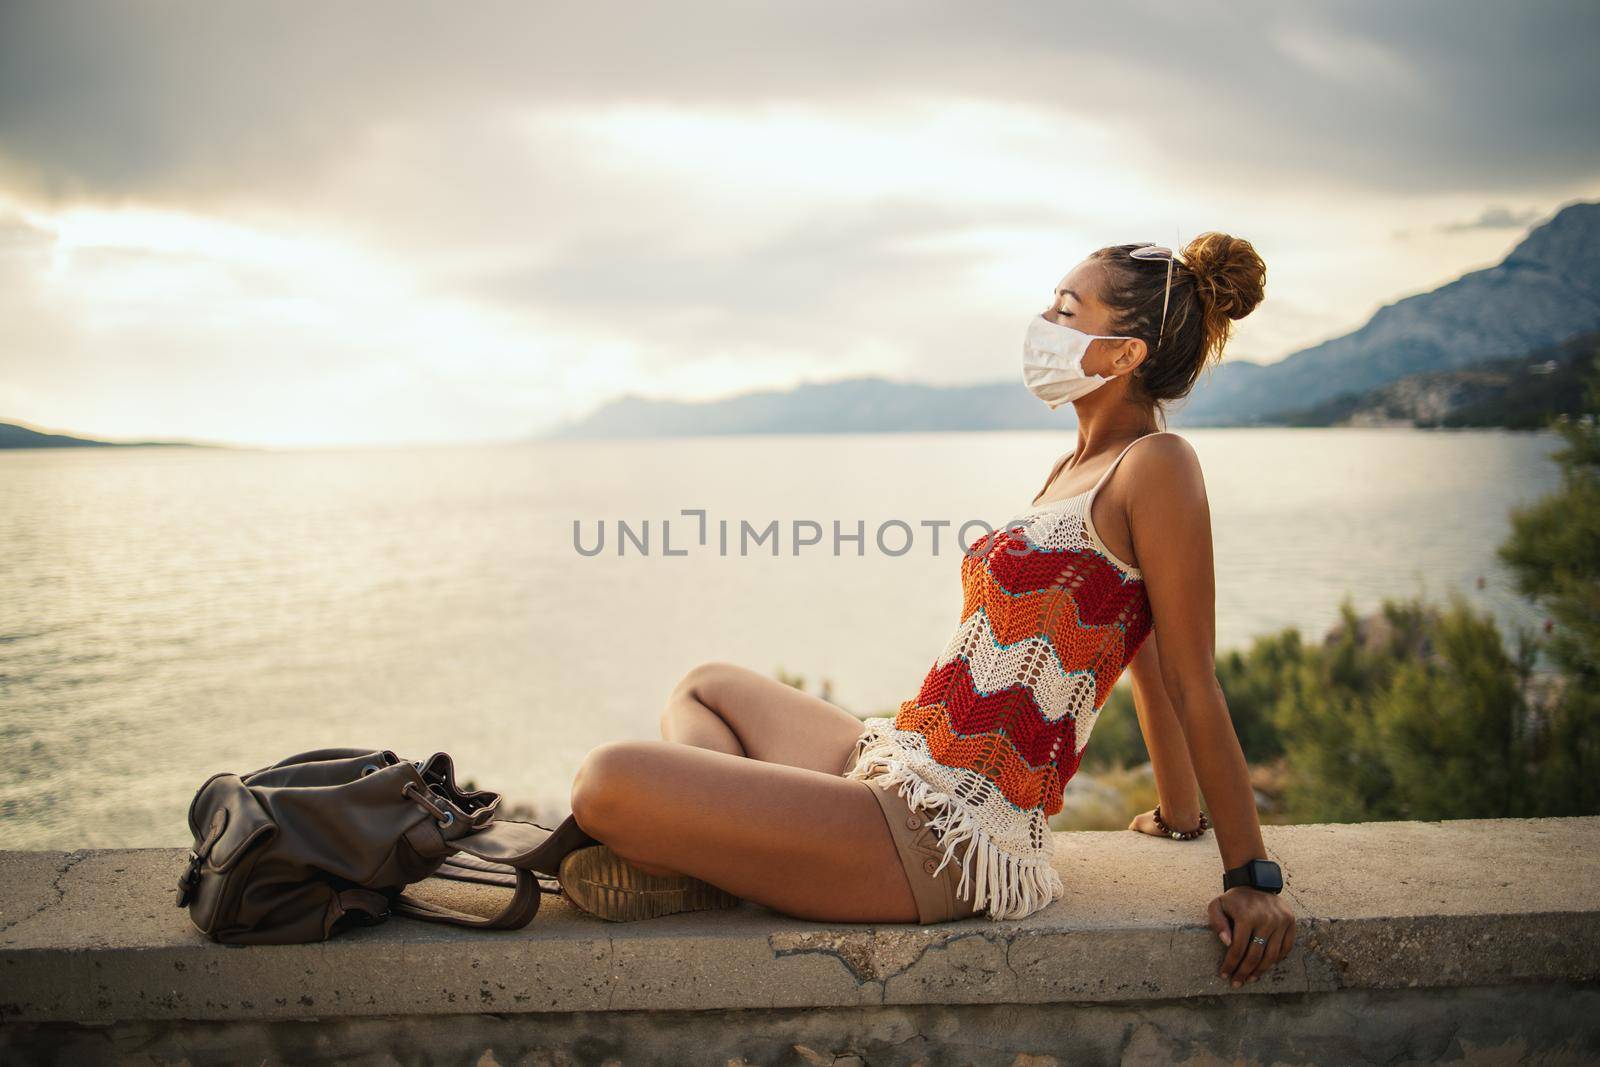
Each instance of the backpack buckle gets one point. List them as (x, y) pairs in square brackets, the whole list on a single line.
[(189, 879)]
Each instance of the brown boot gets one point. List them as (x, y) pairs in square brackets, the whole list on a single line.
[(604, 884)]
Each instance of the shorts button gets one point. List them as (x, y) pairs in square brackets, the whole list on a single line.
[(929, 865), (913, 822)]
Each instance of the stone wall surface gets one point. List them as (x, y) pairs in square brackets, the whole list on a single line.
[(1461, 941)]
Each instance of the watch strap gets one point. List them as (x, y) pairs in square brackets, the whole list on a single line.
[(1245, 874)]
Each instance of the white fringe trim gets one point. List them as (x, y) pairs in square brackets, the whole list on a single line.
[(1005, 885)]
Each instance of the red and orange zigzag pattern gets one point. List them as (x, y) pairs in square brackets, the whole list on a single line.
[(1094, 617)]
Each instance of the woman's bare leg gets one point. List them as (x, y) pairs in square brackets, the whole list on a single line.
[(727, 708), (808, 843), (745, 792)]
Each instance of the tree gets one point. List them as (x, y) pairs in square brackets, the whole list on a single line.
[(1453, 724), (1324, 714), (1412, 712), (1554, 554)]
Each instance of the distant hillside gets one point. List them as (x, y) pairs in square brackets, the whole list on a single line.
[(1518, 393), (15, 436), (856, 405), (1545, 291)]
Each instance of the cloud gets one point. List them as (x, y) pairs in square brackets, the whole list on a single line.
[(1495, 217), (1369, 67), (241, 100), (133, 326), (1490, 218), (403, 221)]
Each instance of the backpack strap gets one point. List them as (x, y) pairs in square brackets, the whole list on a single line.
[(503, 853), (517, 913), (465, 867)]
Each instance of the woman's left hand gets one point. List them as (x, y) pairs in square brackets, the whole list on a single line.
[(1253, 914)]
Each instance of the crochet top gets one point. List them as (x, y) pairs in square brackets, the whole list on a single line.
[(1050, 618)]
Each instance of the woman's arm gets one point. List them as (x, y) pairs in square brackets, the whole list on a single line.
[(1169, 520), (1164, 739)]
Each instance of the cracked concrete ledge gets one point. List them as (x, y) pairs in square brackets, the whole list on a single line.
[(92, 936)]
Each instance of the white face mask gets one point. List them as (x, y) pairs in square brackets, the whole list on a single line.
[(1052, 361)]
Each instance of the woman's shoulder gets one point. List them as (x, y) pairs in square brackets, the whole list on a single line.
[(1166, 462), (1166, 442)]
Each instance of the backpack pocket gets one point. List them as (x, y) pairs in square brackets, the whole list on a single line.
[(231, 831)]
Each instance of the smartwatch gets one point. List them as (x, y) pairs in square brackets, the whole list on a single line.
[(1257, 874)]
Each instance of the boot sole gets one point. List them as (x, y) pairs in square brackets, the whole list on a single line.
[(605, 885)]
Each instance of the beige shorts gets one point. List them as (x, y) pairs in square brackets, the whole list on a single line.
[(920, 854)]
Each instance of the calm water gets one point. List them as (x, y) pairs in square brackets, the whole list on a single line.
[(165, 614)]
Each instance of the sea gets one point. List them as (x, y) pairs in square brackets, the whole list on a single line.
[(168, 613)]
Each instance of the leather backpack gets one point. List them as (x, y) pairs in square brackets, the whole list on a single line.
[(329, 839)]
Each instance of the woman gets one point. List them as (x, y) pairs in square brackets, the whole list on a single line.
[(761, 792)]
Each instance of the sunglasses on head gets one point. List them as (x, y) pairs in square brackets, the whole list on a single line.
[(1159, 252)]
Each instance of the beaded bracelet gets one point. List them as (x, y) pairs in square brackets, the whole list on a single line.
[(1181, 835)]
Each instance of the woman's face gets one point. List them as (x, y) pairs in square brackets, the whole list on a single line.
[(1076, 303)]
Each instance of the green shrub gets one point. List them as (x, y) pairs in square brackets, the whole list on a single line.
[(1554, 554)]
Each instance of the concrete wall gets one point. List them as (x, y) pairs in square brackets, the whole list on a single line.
[(1495, 1025), (1460, 941)]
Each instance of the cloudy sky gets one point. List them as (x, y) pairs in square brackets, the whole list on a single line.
[(298, 224)]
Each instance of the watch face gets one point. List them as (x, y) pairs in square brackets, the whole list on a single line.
[(1266, 875)]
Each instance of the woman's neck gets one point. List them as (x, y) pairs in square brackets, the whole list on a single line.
[(1110, 430)]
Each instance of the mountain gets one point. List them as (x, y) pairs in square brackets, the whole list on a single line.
[(1521, 393), (854, 405), (13, 435), (1545, 291)]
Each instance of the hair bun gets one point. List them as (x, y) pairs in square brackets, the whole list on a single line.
[(1229, 276)]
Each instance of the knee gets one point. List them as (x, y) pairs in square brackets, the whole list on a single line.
[(601, 790), (703, 679), (706, 684)]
